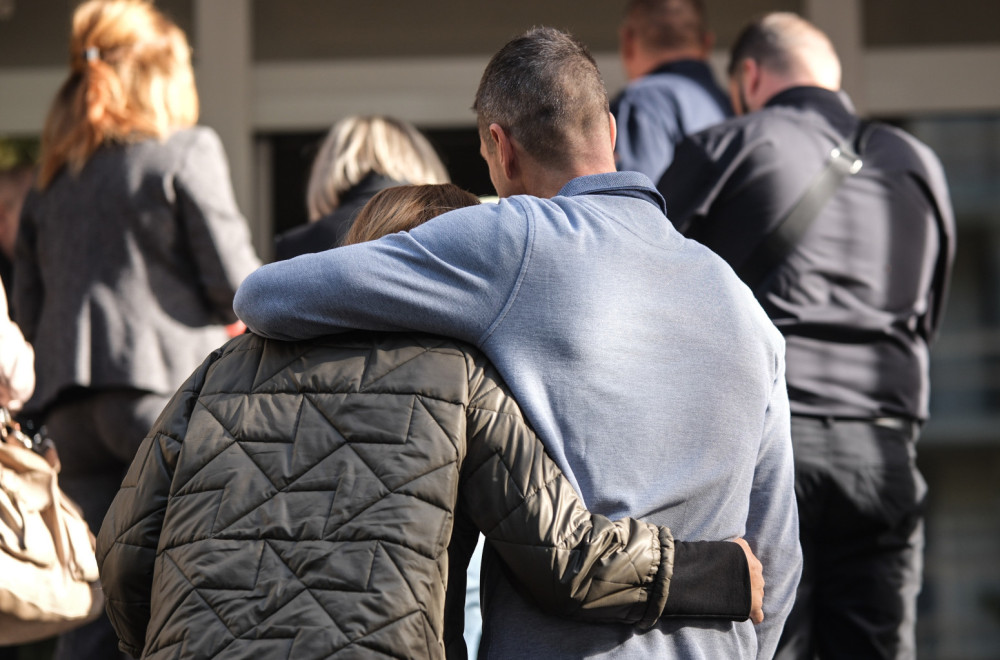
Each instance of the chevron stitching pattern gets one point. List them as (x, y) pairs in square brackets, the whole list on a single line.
[(277, 464)]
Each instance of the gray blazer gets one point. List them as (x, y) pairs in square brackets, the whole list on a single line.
[(125, 273)]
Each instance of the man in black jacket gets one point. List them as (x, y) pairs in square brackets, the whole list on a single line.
[(855, 279)]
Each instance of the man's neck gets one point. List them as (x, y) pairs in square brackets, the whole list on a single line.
[(773, 89), (650, 62), (546, 183)]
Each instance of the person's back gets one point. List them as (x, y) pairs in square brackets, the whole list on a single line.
[(335, 537), (367, 464), (632, 405), (328, 230), (649, 371), (684, 414), (862, 272), (113, 228), (857, 286)]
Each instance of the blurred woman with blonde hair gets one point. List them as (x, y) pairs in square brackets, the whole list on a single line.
[(130, 250), (360, 156)]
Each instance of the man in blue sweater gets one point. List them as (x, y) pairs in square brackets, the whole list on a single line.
[(650, 372), (672, 92)]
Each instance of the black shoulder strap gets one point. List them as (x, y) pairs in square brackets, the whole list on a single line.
[(843, 161)]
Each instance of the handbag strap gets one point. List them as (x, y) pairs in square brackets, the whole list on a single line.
[(844, 161), (9, 431)]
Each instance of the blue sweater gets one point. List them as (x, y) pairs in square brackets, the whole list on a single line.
[(650, 372)]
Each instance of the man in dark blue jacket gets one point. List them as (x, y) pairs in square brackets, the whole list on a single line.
[(672, 91)]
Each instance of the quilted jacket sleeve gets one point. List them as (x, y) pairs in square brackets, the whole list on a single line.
[(571, 561), (127, 542)]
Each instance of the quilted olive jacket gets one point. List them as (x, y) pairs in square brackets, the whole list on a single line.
[(297, 500)]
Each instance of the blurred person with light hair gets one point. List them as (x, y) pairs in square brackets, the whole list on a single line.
[(129, 253), (360, 156)]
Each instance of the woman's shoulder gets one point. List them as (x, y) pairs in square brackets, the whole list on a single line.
[(193, 153), (199, 139), (168, 154)]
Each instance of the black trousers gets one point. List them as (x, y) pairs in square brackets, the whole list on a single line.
[(860, 500), (97, 434)]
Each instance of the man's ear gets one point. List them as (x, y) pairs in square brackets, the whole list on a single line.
[(750, 73), (613, 125), (744, 85), (507, 153)]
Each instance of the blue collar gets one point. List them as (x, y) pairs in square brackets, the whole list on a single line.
[(694, 69), (622, 184)]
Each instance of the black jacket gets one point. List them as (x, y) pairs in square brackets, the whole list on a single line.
[(330, 230), (860, 298), (297, 500)]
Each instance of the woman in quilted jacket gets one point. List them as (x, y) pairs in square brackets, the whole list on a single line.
[(305, 499)]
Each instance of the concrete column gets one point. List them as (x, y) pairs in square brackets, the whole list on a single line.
[(264, 199), (224, 68), (843, 22)]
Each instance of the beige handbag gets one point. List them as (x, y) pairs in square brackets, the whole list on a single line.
[(48, 572)]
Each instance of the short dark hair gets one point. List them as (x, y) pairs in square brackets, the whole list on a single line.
[(667, 24), (544, 89), (761, 41)]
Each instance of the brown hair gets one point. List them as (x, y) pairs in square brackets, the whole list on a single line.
[(544, 89), (667, 24), (402, 208), (130, 79)]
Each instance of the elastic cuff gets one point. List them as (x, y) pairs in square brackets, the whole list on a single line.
[(658, 595), (711, 579)]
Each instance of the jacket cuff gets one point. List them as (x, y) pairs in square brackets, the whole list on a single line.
[(661, 587), (711, 579)]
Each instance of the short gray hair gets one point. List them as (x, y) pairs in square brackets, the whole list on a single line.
[(786, 44), (544, 89)]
